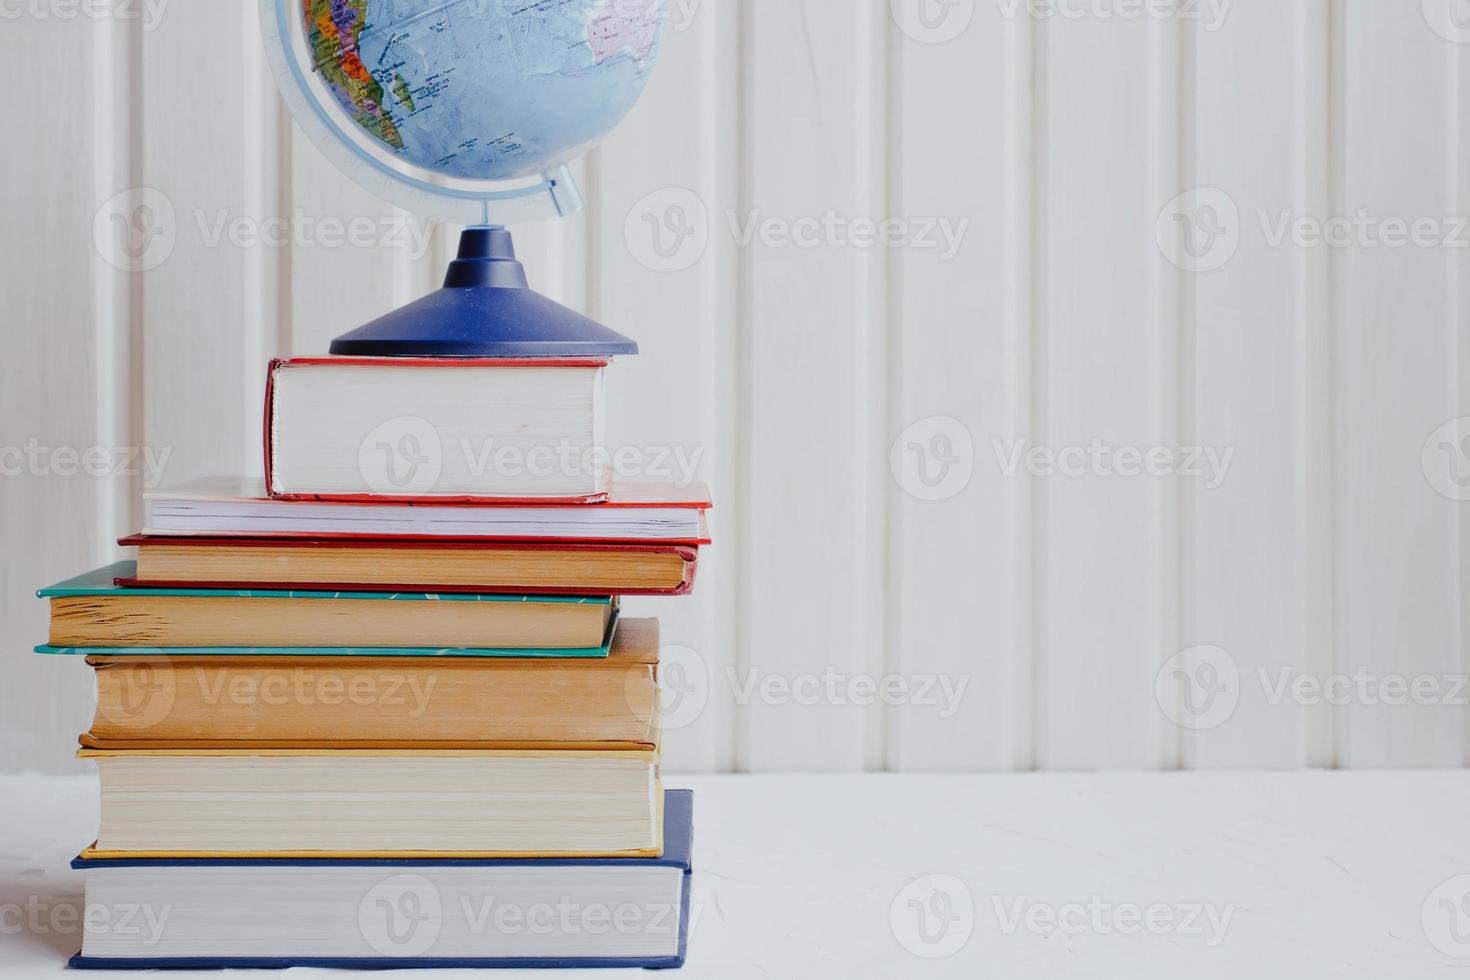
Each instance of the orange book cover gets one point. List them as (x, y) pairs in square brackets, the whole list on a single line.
[(199, 701)]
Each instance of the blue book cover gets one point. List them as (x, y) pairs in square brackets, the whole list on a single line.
[(677, 856)]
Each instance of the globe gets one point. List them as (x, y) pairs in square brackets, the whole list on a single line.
[(465, 110)]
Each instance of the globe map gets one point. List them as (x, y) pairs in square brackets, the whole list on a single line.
[(483, 89)]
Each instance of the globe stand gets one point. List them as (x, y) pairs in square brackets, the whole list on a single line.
[(485, 310)]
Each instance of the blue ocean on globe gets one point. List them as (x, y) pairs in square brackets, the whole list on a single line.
[(484, 89)]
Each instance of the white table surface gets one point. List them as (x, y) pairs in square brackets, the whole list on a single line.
[(1129, 876)]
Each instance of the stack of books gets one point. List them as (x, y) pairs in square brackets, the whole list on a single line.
[(384, 710)]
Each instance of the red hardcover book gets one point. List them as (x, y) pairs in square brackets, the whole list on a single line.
[(423, 430), (389, 565)]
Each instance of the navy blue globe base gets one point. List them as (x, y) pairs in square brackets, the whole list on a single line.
[(486, 309)]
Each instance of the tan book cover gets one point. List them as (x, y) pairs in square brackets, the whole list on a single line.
[(212, 619), (570, 568), (206, 702)]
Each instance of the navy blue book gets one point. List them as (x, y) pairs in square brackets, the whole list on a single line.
[(148, 914)]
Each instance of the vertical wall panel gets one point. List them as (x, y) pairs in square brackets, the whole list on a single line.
[(671, 161), (339, 284), (202, 346), (1318, 173), (352, 257), (55, 517), (813, 536), (117, 294), (1397, 354), (1243, 380), (1106, 575), (267, 201), (961, 587), (556, 252), (1460, 279)]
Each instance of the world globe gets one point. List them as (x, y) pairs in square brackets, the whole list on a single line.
[(465, 110)]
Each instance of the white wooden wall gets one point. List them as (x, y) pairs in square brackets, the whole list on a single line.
[(1059, 131)]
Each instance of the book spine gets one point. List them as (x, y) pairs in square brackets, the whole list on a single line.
[(268, 428)]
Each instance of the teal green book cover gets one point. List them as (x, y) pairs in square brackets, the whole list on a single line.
[(103, 582)]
